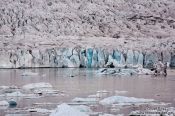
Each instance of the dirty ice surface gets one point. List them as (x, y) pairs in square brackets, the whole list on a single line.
[(84, 93)]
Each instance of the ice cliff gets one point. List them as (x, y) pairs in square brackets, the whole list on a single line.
[(79, 57), (86, 33)]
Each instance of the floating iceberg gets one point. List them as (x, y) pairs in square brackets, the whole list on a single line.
[(33, 86), (120, 92), (123, 100), (66, 110)]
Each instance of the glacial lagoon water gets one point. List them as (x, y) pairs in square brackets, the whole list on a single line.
[(80, 82)]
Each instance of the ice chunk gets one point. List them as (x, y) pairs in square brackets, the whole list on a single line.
[(4, 103), (36, 86), (17, 94), (66, 110), (39, 110), (88, 100), (99, 94), (120, 92), (14, 94), (123, 99), (4, 87)]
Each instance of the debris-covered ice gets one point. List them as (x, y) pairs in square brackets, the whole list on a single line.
[(66, 110), (125, 72), (99, 94), (123, 100)]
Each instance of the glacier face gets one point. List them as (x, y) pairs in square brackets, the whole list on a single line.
[(80, 57)]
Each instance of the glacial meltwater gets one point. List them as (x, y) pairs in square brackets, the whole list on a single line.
[(39, 91)]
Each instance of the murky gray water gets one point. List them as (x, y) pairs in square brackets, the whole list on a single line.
[(84, 82)]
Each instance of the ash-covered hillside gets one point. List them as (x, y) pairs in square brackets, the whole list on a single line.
[(99, 18)]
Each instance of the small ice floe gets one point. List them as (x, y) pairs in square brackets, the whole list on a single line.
[(16, 94), (107, 71), (4, 103), (85, 100), (4, 87), (120, 92), (39, 110), (33, 86), (47, 91), (8, 87), (29, 74), (66, 110), (123, 100), (159, 104), (116, 71), (99, 94)]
